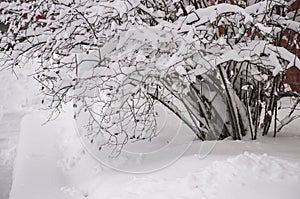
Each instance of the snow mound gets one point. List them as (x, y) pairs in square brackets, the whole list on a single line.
[(261, 176), (257, 166)]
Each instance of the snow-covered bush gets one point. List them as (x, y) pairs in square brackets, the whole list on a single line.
[(219, 67)]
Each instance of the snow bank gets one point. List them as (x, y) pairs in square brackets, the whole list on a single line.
[(36, 174), (245, 176), (51, 163)]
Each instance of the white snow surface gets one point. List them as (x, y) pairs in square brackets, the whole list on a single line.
[(230, 178), (51, 163), (18, 90)]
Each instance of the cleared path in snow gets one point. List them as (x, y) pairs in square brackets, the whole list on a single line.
[(9, 133)]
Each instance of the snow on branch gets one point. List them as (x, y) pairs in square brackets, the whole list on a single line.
[(117, 60)]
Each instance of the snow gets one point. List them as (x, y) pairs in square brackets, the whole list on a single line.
[(6, 154), (1, 112), (9, 130), (18, 90), (52, 163), (210, 13), (16, 97), (221, 179), (36, 163)]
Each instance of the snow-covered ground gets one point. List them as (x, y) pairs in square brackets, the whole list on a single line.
[(9, 133), (51, 162), (16, 98)]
